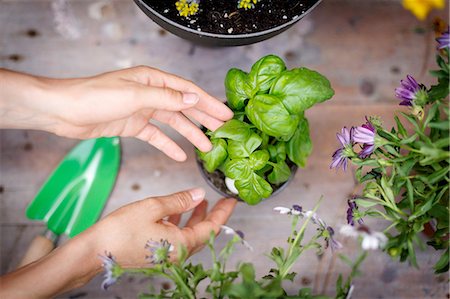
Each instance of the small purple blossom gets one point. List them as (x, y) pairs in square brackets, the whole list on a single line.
[(297, 208), (444, 40), (407, 92), (159, 251), (330, 241), (340, 156), (365, 134), (229, 231), (112, 270), (352, 208), (326, 231)]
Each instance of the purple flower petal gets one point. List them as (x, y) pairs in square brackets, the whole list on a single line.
[(444, 40), (407, 91), (366, 151), (364, 135)]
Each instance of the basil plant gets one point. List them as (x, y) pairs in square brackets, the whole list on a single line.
[(269, 131)]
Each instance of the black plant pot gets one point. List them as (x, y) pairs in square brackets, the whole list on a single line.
[(218, 39), (216, 180)]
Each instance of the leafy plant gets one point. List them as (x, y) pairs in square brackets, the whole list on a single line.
[(188, 280), (405, 172), (269, 131)]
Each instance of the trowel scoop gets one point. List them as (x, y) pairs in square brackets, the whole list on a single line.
[(73, 196)]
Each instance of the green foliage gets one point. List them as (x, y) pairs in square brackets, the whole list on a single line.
[(269, 104), (406, 180), (190, 280)]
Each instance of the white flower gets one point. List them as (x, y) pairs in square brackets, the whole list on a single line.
[(349, 231), (371, 240), (282, 210)]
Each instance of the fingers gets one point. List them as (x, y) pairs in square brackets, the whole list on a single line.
[(203, 118), (161, 141), (198, 214), (185, 127), (176, 203), (157, 78), (164, 98), (198, 234)]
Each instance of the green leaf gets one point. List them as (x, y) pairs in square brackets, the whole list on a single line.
[(422, 209), (253, 188), (299, 147), (264, 72), (280, 173), (401, 129), (233, 129), (215, 157), (238, 168), (259, 159), (277, 151), (442, 264), (237, 88), (301, 88), (269, 115), (366, 203), (241, 149), (440, 125)]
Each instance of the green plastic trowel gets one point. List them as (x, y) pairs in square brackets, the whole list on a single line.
[(73, 197)]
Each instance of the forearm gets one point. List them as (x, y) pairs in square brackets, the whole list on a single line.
[(66, 268), (25, 102)]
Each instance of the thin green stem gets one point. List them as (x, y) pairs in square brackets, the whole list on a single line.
[(180, 282)]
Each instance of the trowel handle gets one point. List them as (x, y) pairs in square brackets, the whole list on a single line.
[(39, 247)]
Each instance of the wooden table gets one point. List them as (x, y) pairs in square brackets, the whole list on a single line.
[(363, 48)]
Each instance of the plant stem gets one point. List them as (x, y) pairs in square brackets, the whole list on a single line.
[(180, 282)]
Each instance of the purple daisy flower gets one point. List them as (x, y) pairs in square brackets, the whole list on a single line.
[(159, 251), (112, 270), (444, 40), (340, 157), (352, 208), (407, 92), (365, 134)]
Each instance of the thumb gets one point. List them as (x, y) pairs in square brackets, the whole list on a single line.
[(164, 98), (176, 203)]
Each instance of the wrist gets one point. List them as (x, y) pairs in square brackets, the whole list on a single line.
[(25, 101)]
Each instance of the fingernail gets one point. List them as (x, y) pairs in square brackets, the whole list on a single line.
[(190, 98), (197, 194)]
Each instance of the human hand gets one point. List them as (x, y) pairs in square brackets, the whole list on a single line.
[(126, 231), (119, 103)]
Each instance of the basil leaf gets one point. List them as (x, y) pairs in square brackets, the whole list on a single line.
[(264, 72), (241, 149), (299, 89), (277, 151), (238, 169), (299, 147), (233, 129), (269, 115), (237, 89), (259, 159), (215, 157), (253, 189), (280, 173)]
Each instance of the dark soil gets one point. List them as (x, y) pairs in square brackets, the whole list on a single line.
[(223, 16), (217, 180)]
